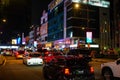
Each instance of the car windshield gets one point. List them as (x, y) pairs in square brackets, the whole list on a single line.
[(29, 50), (71, 60), (21, 52), (35, 55), (76, 61)]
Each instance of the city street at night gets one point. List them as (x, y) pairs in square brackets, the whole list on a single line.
[(14, 69), (59, 39)]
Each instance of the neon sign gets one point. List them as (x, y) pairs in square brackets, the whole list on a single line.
[(100, 3)]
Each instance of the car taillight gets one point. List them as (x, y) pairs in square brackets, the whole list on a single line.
[(91, 69), (46, 53), (67, 71)]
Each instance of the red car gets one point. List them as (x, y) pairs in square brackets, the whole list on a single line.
[(51, 55), (19, 54)]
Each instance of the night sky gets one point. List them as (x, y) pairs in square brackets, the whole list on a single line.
[(20, 15)]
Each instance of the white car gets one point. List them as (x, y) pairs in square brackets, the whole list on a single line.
[(33, 58), (111, 70)]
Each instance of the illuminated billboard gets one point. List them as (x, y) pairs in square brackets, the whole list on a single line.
[(89, 37), (19, 40), (100, 3), (14, 41)]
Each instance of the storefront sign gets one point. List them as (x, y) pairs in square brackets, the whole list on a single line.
[(100, 3)]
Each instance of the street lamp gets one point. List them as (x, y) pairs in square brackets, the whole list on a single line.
[(77, 5), (4, 20)]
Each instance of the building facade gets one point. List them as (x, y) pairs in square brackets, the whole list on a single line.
[(55, 22), (33, 36), (44, 29), (78, 21), (115, 23)]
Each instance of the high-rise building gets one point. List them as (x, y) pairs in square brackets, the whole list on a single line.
[(115, 23), (56, 22), (79, 21)]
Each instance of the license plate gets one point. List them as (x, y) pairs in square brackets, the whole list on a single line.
[(79, 71)]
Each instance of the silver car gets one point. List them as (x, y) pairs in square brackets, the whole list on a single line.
[(33, 58)]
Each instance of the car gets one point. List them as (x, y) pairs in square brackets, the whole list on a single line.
[(67, 67), (83, 53), (19, 54), (50, 55), (111, 70), (33, 58), (6, 52)]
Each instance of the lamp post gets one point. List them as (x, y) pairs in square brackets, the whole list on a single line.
[(76, 8)]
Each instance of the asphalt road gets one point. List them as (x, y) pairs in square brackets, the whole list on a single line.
[(14, 69), (96, 63)]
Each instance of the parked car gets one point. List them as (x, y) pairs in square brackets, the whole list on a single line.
[(111, 70), (68, 67), (33, 58)]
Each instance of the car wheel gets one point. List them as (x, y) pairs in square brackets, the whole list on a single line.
[(62, 77), (45, 74), (27, 64), (107, 74)]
